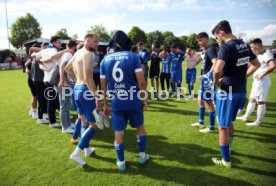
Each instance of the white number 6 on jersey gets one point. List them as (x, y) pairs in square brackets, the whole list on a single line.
[(117, 70)]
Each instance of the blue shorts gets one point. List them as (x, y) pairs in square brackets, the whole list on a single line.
[(190, 76), (121, 118), (176, 76), (227, 106), (85, 102), (206, 90)]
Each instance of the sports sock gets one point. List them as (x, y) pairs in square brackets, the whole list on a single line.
[(261, 112), (201, 113), (77, 129), (141, 140), (225, 151), (119, 148), (86, 137), (212, 120), (250, 108)]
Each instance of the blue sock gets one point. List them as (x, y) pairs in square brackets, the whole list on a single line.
[(141, 140), (173, 87), (225, 151), (201, 114), (212, 120), (119, 148), (77, 129), (87, 136)]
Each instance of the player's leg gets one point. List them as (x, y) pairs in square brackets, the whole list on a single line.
[(201, 113), (157, 82), (192, 81), (136, 119), (212, 115), (168, 79), (162, 81), (188, 80), (119, 123), (262, 95), (224, 145)]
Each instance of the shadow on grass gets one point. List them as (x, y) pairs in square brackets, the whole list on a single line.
[(271, 106), (158, 146), (262, 137), (153, 108), (170, 174)]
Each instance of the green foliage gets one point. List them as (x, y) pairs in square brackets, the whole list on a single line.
[(212, 40), (6, 53), (154, 36), (62, 33), (191, 42), (274, 44), (101, 31), (136, 35), (24, 29)]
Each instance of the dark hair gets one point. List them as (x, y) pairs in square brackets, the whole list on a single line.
[(140, 43), (54, 39), (222, 26), (134, 48), (202, 35), (174, 45), (156, 44), (71, 44), (257, 41)]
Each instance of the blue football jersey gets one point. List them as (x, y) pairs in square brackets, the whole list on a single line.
[(120, 69), (166, 64), (144, 54), (176, 59)]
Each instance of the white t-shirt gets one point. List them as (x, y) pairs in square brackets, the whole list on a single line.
[(263, 59), (46, 53), (64, 58), (191, 61)]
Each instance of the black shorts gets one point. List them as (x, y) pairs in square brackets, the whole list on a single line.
[(32, 87), (154, 71)]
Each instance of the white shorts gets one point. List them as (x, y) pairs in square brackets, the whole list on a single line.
[(260, 88)]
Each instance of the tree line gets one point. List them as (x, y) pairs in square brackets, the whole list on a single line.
[(27, 27)]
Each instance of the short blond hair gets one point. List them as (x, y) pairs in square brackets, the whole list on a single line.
[(91, 34)]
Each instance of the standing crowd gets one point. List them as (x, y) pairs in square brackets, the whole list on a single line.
[(83, 70)]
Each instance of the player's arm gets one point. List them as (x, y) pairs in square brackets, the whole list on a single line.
[(55, 56), (27, 64), (88, 71), (141, 83), (34, 49), (42, 67), (62, 73), (271, 67), (217, 71), (104, 89), (254, 63), (198, 59), (69, 67)]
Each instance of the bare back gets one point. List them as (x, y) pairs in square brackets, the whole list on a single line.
[(78, 65)]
